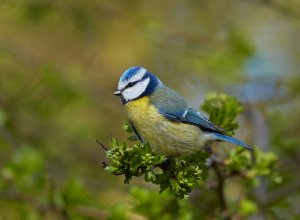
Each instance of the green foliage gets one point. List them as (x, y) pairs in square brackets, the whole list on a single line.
[(3, 117), (222, 110), (36, 11), (250, 166), (24, 171), (226, 59), (132, 161), (126, 127), (118, 212), (160, 206), (24, 180), (247, 207), (179, 176), (71, 194)]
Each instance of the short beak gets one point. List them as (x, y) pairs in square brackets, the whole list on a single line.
[(118, 93)]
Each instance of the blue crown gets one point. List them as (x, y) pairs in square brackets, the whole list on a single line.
[(130, 72)]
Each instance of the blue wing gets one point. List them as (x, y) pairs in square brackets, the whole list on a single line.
[(193, 117), (174, 107)]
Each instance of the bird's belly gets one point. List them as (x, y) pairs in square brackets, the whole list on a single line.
[(164, 136)]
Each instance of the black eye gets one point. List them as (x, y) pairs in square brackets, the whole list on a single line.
[(131, 84)]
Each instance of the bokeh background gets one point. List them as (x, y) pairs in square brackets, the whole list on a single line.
[(59, 65)]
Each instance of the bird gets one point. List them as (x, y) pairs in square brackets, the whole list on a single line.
[(159, 116)]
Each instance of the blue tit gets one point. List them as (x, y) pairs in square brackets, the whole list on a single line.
[(161, 117)]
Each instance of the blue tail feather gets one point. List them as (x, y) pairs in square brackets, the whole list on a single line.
[(232, 140)]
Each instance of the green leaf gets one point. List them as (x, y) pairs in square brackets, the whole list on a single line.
[(223, 110), (247, 207), (126, 127)]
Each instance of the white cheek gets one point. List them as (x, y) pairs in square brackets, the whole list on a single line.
[(135, 91)]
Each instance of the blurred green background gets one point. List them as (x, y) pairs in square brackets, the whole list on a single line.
[(59, 65)]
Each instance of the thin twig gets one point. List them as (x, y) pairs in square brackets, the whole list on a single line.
[(220, 191), (281, 193), (102, 145)]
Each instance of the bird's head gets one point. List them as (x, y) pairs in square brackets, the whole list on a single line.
[(135, 83)]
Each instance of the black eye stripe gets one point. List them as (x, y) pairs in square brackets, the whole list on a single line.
[(131, 84)]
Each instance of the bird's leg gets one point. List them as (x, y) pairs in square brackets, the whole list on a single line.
[(166, 163)]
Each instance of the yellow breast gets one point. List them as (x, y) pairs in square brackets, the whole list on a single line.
[(164, 136)]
